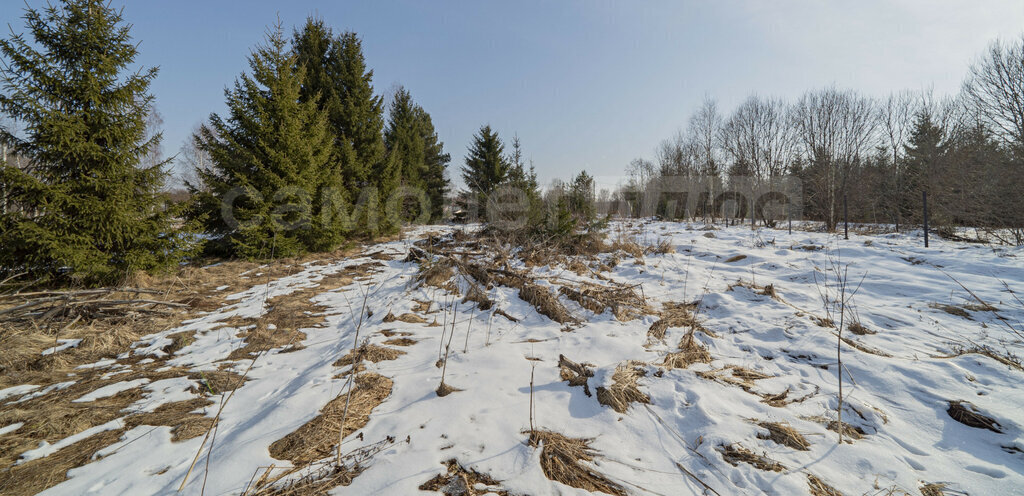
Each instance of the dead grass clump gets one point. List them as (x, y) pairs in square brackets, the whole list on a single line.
[(1006, 358), (628, 246), (178, 415), (969, 415), (317, 438), (401, 342), (561, 459), (849, 431), (735, 453), (624, 389), (663, 247), (370, 352), (951, 309), (444, 389), (438, 275), (674, 315), (545, 302), (42, 473), (215, 382), (735, 258), (859, 329), (782, 433), (623, 300), (865, 348), (745, 374), (266, 336), (462, 481), (690, 352), (179, 340), (422, 306), (408, 318), (478, 296), (820, 488), (575, 374), (933, 489), (768, 290), (823, 321)]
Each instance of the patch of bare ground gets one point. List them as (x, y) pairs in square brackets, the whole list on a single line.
[(818, 487), (318, 438), (784, 434), (969, 415), (736, 453), (462, 481), (563, 459), (625, 388)]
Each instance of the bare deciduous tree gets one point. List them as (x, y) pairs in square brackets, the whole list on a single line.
[(995, 89)]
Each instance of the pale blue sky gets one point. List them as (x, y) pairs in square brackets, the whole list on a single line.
[(586, 84)]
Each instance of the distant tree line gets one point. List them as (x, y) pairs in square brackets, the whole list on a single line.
[(965, 151)]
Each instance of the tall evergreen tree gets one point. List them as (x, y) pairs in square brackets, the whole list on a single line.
[(922, 163), (271, 163), (88, 210), (486, 166), (415, 152), (338, 74)]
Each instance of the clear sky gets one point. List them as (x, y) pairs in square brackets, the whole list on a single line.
[(585, 84)]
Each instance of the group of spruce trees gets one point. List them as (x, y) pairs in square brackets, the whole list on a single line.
[(305, 160)]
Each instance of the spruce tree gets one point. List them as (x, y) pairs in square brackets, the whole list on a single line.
[(486, 166), (338, 74), (271, 190), (88, 210), (415, 152), (924, 155)]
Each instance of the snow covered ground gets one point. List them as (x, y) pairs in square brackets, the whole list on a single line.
[(915, 305)]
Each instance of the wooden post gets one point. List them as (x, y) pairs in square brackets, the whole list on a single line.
[(924, 202), (846, 220)]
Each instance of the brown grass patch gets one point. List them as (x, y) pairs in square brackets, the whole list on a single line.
[(185, 425), (690, 352), (628, 246), (865, 348), (401, 342), (933, 489), (859, 329), (735, 258), (438, 275), (784, 434), (625, 388), (951, 309), (408, 318), (818, 487), (40, 474), (545, 302), (370, 352), (561, 459), (675, 315), (462, 481), (736, 453), (969, 415), (317, 438)]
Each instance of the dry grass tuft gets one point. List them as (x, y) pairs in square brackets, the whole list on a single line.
[(735, 453), (690, 352), (40, 474), (675, 315), (969, 415), (438, 275), (445, 389), (401, 342), (735, 258), (865, 348), (545, 302), (933, 489), (627, 245), (561, 459), (820, 488), (951, 309), (782, 433), (859, 329), (408, 318), (625, 388), (318, 438), (370, 352), (746, 375), (462, 481), (850, 432)]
